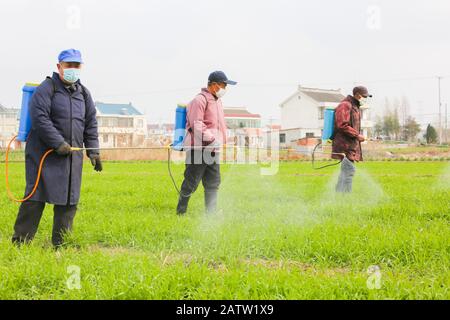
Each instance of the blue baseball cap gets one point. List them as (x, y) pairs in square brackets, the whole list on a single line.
[(70, 55), (220, 77)]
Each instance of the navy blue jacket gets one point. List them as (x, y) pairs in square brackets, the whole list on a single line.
[(58, 116)]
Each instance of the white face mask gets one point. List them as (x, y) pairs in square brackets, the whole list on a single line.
[(362, 101), (72, 75), (221, 93)]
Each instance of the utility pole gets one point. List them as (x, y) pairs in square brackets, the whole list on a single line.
[(440, 110), (446, 124)]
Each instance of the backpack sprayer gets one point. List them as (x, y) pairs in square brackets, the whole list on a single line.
[(328, 134), (177, 145)]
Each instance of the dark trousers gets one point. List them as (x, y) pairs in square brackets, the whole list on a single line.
[(204, 167), (29, 216), (345, 182)]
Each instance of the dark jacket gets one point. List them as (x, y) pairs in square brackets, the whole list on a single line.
[(347, 128), (58, 116)]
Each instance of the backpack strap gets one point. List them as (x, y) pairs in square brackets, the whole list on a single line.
[(84, 93), (351, 116), (207, 103), (204, 96), (54, 88)]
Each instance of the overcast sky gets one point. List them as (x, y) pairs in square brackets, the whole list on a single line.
[(158, 53)]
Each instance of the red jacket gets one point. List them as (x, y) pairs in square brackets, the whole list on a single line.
[(205, 121), (347, 128)]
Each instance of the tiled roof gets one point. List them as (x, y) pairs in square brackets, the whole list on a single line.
[(239, 112), (319, 95), (324, 96), (117, 109)]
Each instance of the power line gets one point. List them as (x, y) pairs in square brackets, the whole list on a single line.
[(440, 109), (343, 82), (285, 84), (385, 80), (424, 114)]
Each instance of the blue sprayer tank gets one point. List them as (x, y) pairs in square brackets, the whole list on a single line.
[(328, 125), (180, 127), (25, 119)]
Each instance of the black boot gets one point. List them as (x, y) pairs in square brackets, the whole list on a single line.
[(182, 204), (62, 223), (210, 201)]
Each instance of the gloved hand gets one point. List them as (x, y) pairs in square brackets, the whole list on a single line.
[(96, 161), (64, 149)]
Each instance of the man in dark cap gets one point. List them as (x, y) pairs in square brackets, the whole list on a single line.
[(206, 133), (347, 138), (62, 115)]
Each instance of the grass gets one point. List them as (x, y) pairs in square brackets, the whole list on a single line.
[(287, 236)]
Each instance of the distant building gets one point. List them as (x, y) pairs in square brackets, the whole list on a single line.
[(9, 125), (154, 129), (159, 134), (165, 129), (120, 125), (302, 114), (243, 127)]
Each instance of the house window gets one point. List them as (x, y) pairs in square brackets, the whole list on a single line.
[(321, 113), (105, 138), (282, 137), (125, 122), (109, 122), (310, 134)]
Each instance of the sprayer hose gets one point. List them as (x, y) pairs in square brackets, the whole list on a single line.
[(48, 152), (38, 178), (328, 165), (169, 153)]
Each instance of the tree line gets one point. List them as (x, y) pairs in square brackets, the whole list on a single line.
[(397, 123)]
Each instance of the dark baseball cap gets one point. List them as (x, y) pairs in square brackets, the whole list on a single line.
[(220, 77), (362, 91)]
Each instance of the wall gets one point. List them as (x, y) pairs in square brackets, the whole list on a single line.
[(300, 113)]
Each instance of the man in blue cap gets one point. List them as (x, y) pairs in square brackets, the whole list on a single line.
[(206, 127), (62, 115)]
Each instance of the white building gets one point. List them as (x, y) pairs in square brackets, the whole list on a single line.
[(302, 114), (120, 125), (9, 125)]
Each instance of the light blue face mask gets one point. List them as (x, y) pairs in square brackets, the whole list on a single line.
[(72, 74)]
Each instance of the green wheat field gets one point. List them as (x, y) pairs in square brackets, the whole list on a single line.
[(287, 236)]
